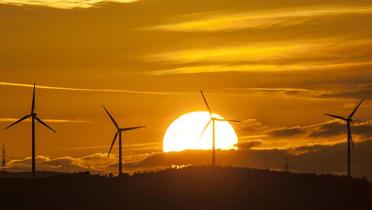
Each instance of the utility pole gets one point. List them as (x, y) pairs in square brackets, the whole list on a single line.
[(3, 161), (286, 166)]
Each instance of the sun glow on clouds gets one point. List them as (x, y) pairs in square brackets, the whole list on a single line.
[(258, 19), (62, 4), (253, 52), (296, 55), (263, 52), (263, 137), (13, 84), (261, 68), (97, 163)]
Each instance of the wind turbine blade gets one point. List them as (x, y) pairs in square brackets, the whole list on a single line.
[(33, 100), (18, 121), (131, 128), (335, 116), (356, 108), (40, 121), (113, 142), (352, 142), (237, 121), (227, 120), (204, 129), (350, 136), (112, 118), (206, 103)]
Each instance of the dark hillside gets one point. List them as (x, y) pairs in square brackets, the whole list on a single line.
[(188, 188)]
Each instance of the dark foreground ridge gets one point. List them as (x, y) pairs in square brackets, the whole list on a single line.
[(188, 188)]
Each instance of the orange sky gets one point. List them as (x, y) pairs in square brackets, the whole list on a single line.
[(276, 65)]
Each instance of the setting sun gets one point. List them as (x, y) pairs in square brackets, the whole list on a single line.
[(185, 133)]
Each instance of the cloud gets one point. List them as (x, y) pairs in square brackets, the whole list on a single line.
[(252, 125), (313, 158), (248, 144), (280, 91), (253, 52), (224, 21), (352, 92), (260, 68), (62, 4), (138, 148), (286, 132), (89, 90), (327, 133), (96, 163), (359, 93), (283, 56), (333, 128), (11, 120)]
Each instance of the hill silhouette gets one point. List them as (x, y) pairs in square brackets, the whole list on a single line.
[(317, 158), (198, 187)]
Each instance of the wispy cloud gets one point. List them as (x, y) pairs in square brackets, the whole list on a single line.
[(260, 68), (356, 91), (143, 146), (251, 52), (10, 120), (292, 55), (97, 163), (62, 4), (223, 21), (91, 90)]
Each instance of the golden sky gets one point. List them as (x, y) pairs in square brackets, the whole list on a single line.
[(277, 65)]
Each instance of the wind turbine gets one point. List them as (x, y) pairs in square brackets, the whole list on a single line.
[(118, 133), (348, 121), (213, 121), (34, 117)]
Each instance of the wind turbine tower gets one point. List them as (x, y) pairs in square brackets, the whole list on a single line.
[(350, 142), (212, 120), (119, 131), (33, 115)]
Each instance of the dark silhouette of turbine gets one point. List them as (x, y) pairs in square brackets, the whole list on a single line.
[(34, 117), (212, 120), (348, 121), (118, 133)]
